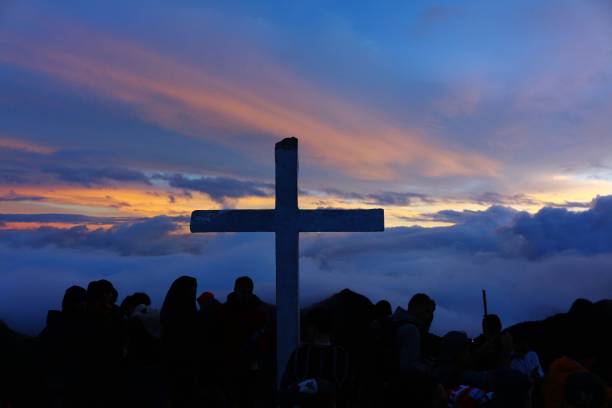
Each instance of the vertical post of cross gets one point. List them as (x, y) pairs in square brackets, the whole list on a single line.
[(287, 252)]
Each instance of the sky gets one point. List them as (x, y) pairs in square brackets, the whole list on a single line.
[(484, 130)]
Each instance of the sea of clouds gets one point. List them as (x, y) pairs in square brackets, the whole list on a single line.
[(532, 265)]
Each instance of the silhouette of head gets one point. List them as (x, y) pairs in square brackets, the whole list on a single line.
[(382, 309), (141, 298), (491, 325), (205, 297), (180, 301), (75, 300), (581, 307), (243, 285), (132, 301), (422, 307), (101, 293)]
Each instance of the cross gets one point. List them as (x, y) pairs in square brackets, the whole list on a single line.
[(287, 221)]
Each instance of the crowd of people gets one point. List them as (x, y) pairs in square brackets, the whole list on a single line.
[(196, 351)]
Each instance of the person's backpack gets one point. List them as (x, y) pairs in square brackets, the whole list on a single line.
[(384, 338)]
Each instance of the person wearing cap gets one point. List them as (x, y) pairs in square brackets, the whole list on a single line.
[(412, 328)]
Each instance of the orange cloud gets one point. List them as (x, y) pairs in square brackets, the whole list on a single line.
[(18, 144), (334, 133), (103, 201)]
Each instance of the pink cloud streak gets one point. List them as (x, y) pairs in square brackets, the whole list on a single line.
[(335, 133)]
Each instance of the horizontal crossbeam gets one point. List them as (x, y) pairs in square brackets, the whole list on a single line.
[(341, 220), (233, 221), (308, 220)]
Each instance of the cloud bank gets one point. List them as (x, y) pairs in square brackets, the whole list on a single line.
[(531, 265)]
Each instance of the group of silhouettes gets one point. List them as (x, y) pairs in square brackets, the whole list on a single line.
[(199, 352)]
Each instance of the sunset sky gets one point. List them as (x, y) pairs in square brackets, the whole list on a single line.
[(483, 128)]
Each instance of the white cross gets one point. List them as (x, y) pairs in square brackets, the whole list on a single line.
[(287, 221)]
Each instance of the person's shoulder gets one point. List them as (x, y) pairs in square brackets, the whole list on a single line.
[(406, 329), (54, 318), (405, 324), (479, 340)]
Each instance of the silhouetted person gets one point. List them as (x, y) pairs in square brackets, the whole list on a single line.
[(143, 323), (74, 301), (379, 357), (243, 324), (412, 329), (142, 351), (20, 383), (132, 301), (382, 310), (453, 361), (492, 349), (209, 320), (318, 360), (205, 299), (211, 348), (62, 349), (180, 341), (105, 344), (525, 360)]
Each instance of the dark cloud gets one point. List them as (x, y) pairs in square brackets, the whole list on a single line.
[(219, 188), (554, 230), (342, 194), (13, 197), (571, 204), (33, 168), (66, 166), (90, 176), (501, 231), (395, 198), (9, 175), (382, 198), (495, 216), (491, 197), (149, 237), (475, 232)]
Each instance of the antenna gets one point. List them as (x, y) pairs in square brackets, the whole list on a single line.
[(484, 302)]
